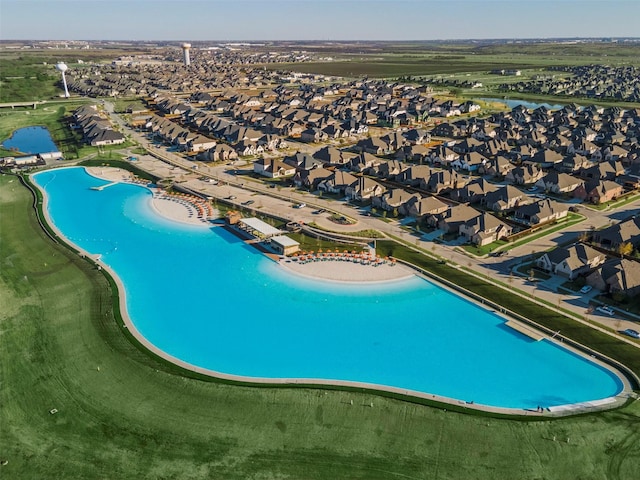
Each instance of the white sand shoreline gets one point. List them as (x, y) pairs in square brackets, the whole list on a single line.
[(341, 271), (172, 209)]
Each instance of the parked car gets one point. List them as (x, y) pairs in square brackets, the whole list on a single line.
[(586, 289), (606, 310), (632, 333)]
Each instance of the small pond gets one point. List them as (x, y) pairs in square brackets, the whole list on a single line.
[(31, 140)]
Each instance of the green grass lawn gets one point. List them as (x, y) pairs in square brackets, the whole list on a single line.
[(124, 414)]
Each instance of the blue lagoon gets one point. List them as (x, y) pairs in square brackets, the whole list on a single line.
[(202, 296)]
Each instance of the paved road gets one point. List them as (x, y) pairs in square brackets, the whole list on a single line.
[(280, 202)]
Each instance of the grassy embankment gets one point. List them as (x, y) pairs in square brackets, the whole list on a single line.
[(124, 414)]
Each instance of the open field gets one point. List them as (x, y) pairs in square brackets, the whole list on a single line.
[(395, 59), (121, 413)]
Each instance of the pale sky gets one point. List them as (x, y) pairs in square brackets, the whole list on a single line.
[(315, 19)]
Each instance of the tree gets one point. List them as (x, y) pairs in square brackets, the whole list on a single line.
[(625, 248)]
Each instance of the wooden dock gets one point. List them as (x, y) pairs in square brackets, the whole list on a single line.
[(525, 330), (102, 187)]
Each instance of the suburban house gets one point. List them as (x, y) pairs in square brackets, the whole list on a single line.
[(541, 211), (272, 168), (452, 219), (220, 153), (473, 192), (374, 146), (558, 182), (620, 276), (499, 166), (330, 155), (311, 178), (200, 143), (337, 182), (364, 161), (414, 175), (505, 198), (364, 188), (524, 175), (420, 207), (571, 261), (442, 181), (393, 199), (599, 191), (612, 237), (484, 229)]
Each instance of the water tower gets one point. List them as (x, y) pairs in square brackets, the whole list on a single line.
[(185, 50), (62, 67)]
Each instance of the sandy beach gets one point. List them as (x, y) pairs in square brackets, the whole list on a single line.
[(347, 272), (176, 209), (180, 210)]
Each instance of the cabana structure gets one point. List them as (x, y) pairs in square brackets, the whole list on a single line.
[(284, 245), (257, 228)]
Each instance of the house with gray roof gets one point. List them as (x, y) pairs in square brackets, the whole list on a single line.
[(572, 261)]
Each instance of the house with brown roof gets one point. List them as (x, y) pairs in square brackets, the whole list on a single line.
[(599, 191), (421, 207), (200, 143), (364, 188), (498, 166), (524, 175), (473, 192), (442, 181), (272, 168), (414, 175), (311, 178), (452, 219), (330, 155), (558, 182), (484, 229), (621, 276), (505, 198), (374, 146), (572, 261), (363, 162), (393, 199), (337, 182), (219, 153), (541, 211), (612, 237)]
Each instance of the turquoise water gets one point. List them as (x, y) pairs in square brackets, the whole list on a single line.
[(31, 140), (203, 296)]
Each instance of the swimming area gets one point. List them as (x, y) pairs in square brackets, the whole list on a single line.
[(203, 296)]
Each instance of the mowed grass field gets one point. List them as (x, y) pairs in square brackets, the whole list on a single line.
[(123, 414), (391, 59)]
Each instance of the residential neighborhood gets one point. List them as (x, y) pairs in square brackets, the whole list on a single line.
[(397, 149)]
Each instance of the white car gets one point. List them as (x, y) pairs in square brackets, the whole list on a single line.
[(631, 333), (586, 289), (606, 310)]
